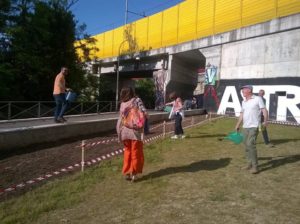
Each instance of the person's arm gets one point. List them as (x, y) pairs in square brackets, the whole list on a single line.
[(238, 124), (170, 103), (266, 117)]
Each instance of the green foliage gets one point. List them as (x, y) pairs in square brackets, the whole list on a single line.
[(39, 40), (144, 88)]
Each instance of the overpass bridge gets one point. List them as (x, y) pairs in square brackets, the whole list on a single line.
[(210, 48)]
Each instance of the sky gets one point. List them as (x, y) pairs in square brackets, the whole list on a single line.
[(103, 15)]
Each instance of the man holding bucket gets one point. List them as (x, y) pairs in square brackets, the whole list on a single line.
[(252, 107), (59, 94)]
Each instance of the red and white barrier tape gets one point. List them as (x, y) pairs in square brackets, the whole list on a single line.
[(68, 169)]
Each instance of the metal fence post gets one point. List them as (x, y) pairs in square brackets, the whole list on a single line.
[(9, 111), (39, 109), (81, 108)]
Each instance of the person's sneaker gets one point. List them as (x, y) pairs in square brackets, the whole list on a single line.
[(134, 178), (254, 170), (128, 177), (270, 145), (174, 137), (57, 121), (248, 167), (182, 136), (63, 119)]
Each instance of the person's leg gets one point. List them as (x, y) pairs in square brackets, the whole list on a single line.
[(252, 148), (58, 106), (265, 135), (178, 128), (127, 157), (64, 106), (146, 127), (137, 157), (180, 125), (247, 150)]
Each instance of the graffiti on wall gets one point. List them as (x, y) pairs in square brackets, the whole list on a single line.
[(210, 97), (282, 101), (159, 78)]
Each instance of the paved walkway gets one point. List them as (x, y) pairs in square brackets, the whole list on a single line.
[(21, 124)]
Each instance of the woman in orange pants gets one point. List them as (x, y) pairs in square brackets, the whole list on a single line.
[(132, 138)]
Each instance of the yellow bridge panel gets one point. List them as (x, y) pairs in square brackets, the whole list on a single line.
[(155, 30), (287, 7), (257, 11), (189, 20), (141, 34), (205, 18), (227, 15), (170, 26), (118, 37), (108, 44), (187, 29), (99, 44)]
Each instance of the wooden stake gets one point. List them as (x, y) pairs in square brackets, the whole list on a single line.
[(82, 154)]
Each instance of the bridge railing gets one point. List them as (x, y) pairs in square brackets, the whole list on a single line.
[(36, 109)]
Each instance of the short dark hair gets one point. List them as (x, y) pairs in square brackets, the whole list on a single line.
[(126, 94)]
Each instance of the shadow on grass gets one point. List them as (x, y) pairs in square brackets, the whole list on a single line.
[(193, 167), (281, 141), (208, 136), (276, 162)]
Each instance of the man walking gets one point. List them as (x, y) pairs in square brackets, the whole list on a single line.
[(59, 91), (264, 131), (252, 107)]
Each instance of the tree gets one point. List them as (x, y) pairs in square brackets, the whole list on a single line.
[(40, 37), (144, 88)]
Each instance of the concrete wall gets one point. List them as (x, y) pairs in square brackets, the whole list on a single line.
[(25, 137), (272, 56)]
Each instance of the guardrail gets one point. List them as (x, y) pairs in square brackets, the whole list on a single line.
[(36, 109)]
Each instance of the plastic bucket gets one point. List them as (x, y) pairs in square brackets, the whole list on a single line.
[(71, 96), (235, 137), (168, 109)]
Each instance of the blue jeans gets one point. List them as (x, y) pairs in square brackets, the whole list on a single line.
[(61, 105), (178, 126)]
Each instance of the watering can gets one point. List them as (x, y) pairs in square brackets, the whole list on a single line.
[(235, 137), (168, 109)]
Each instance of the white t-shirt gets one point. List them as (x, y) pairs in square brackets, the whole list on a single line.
[(251, 110)]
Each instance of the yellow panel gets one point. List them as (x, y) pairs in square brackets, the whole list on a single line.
[(227, 15), (117, 40), (287, 7), (193, 19), (142, 34), (155, 27), (99, 44), (169, 29), (187, 21), (205, 18), (108, 42), (257, 11)]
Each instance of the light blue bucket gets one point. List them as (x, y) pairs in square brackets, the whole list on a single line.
[(168, 109), (235, 137), (71, 96)]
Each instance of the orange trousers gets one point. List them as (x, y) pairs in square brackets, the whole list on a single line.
[(133, 157)]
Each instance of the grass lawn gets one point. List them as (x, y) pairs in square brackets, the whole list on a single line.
[(194, 180)]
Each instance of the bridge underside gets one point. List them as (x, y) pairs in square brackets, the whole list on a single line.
[(170, 72)]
